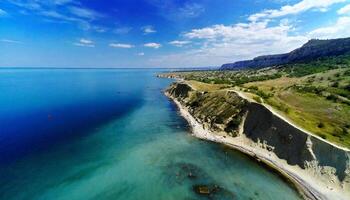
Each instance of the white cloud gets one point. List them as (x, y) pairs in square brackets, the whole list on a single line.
[(84, 12), (2, 12), (57, 15), (141, 54), (179, 43), (344, 10), (302, 6), (337, 30), (153, 45), (148, 29), (85, 43), (190, 10), (119, 45), (99, 29), (221, 44), (242, 33), (62, 2), (68, 11), (10, 41), (175, 10)]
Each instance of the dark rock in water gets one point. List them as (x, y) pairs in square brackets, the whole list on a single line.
[(202, 184), (201, 189), (178, 173), (213, 191)]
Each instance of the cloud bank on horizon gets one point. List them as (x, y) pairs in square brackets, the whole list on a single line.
[(156, 33)]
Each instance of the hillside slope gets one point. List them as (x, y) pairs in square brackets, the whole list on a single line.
[(231, 119), (311, 50)]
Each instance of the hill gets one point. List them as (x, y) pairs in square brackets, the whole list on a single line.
[(310, 51)]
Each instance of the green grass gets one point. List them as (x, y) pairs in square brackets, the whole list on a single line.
[(314, 95)]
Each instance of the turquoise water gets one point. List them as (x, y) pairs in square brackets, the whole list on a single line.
[(112, 134)]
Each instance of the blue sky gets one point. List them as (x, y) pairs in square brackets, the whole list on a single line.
[(160, 33)]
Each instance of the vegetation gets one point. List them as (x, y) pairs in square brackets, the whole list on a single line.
[(314, 95), (320, 65)]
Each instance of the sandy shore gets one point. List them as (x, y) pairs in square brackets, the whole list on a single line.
[(308, 186)]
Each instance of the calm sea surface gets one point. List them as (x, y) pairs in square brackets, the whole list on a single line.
[(112, 134)]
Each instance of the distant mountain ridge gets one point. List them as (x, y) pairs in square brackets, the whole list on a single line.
[(311, 50)]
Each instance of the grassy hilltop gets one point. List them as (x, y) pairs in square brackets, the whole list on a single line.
[(315, 95)]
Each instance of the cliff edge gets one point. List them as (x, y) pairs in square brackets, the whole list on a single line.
[(321, 169)]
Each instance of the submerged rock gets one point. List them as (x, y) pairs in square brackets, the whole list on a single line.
[(201, 189), (178, 173), (213, 191)]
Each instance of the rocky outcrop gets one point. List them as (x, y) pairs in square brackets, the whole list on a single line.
[(226, 111), (312, 50), (219, 111)]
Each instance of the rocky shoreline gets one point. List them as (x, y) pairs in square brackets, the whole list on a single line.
[(311, 181)]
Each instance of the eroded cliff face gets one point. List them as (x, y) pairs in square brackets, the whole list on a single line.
[(225, 111), (218, 111), (294, 145)]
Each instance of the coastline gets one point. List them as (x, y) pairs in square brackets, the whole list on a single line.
[(308, 186)]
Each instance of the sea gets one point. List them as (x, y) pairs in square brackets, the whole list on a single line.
[(109, 134)]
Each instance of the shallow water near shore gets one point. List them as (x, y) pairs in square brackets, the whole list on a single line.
[(112, 134)]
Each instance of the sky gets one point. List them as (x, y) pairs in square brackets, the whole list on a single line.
[(161, 33)]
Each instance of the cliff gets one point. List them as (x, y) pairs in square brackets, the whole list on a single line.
[(230, 118), (313, 49)]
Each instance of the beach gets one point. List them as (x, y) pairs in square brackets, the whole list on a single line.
[(308, 186)]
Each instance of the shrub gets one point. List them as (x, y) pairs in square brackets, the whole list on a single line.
[(323, 136), (344, 131), (320, 125), (253, 87), (335, 84), (257, 99), (263, 94), (309, 89), (347, 73), (332, 97), (347, 87)]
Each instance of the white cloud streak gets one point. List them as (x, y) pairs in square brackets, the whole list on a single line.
[(175, 10), (179, 43), (84, 13), (120, 45), (10, 41), (148, 30), (70, 11), (153, 45), (190, 10), (302, 6), (2, 12), (85, 43)]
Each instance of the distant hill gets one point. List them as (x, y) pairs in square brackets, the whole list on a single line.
[(311, 50)]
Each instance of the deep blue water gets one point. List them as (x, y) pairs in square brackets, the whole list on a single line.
[(50, 106), (111, 134)]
